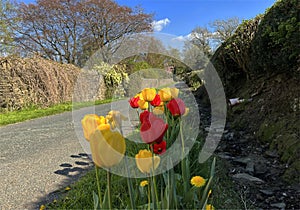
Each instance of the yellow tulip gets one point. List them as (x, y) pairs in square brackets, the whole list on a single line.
[(174, 92), (187, 110), (102, 120), (107, 147), (90, 123), (148, 94), (143, 104), (165, 94), (140, 95), (158, 110), (146, 162), (115, 118), (104, 126)]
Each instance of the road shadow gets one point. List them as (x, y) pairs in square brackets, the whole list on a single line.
[(72, 171)]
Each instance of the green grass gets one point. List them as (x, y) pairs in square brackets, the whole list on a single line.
[(80, 196), (35, 112)]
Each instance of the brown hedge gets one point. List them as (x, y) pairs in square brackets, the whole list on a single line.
[(36, 81)]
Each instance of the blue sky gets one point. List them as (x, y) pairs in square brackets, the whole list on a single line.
[(185, 15), (180, 17)]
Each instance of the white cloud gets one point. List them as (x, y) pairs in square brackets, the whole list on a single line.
[(183, 38), (160, 24)]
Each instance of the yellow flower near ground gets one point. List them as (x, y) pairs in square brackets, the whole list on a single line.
[(198, 181), (148, 94), (107, 147), (146, 161), (209, 207), (42, 207), (144, 183), (90, 123), (67, 188)]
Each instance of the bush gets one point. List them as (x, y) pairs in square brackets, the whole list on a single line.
[(276, 43), (115, 78)]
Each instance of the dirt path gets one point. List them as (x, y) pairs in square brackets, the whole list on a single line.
[(41, 155)]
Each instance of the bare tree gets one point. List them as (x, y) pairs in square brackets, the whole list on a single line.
[(108, 24), (201, 37), (223, 29), (193, 56), (69, 31)]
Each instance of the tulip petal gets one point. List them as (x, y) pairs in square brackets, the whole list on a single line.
[(89, 124), (146, 162), (152, 129), (107, 147), (148, 94), (165, 94)]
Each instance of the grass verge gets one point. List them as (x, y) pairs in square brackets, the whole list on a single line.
[(80, 195), (36, 112)]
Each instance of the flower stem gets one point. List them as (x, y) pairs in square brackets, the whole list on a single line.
[(149, 192), (182, 140), (129, 183), (98, 185), (154, 180), (184, 166), (155, 190), (109, 189), (138, 116)]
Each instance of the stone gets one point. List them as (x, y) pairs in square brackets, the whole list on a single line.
[(278, 205), (260, 169), (247, 177), (271, 154), (250, 167), (225, 156), (267, 192), (243, 160), (229, 136)]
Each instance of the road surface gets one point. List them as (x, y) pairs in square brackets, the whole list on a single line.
[(42, 155)]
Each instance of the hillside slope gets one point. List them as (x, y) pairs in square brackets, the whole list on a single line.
[(261, 61)]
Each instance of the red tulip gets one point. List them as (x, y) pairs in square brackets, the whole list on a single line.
[(176, 107), (159, 148), (144, 116), (156, 101), (153, 128), (134, 102)]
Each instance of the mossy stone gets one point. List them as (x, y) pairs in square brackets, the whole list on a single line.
[(291, 175)]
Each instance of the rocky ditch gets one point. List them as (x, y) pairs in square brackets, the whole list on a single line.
[(255, 170)]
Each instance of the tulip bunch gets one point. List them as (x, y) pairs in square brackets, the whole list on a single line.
[(153, 104), (160, 113), (160, 116)]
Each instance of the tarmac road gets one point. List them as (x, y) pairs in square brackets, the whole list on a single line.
[(42, 155)]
